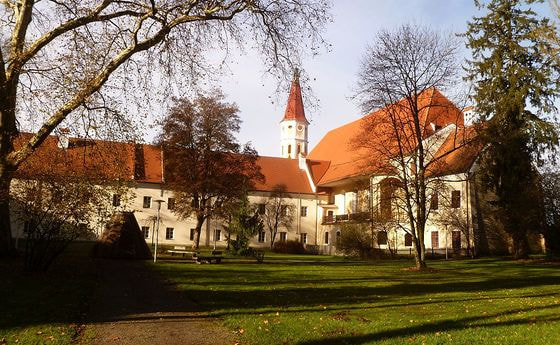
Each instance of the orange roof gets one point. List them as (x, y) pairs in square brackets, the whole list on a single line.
[(108, 160), (457, 154), (294, 108), (365, 146), (282, 171)]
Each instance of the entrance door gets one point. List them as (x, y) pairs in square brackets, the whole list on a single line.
[(456, 240), (435, 240)]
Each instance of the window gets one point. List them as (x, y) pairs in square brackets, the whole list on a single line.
[(191, 236), (147, 202), (217, 235), (289, 150), (303, 211), (456, 199), (337, 236), (169, 233), (326, 238), (283, 236), (284, 210), (382, 237), (171, 204), (303, 238), (116, 200), (435, 239), (146, 231), (262, 236), (261, 208), (434, 202), (407, 240)]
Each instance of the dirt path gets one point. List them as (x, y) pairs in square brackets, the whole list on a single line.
[(134, 305)]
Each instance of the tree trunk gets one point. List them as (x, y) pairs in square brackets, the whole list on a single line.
[(520, 244), (6, 243), (197, 230)]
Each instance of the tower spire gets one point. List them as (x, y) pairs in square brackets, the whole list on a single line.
[(293, 140), (294, 108)]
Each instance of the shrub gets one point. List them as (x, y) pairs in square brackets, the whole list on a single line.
[(289, 247), (358, 240)]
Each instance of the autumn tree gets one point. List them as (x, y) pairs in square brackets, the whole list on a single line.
[(514, 69), (400, 80), (205, 166), (90, 64), (278, 211)]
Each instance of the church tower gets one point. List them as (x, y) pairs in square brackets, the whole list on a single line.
[(293, 136)]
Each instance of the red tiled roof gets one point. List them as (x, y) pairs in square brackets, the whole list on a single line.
[(282, 171), (294, 108), (108, 160), (350, 158)]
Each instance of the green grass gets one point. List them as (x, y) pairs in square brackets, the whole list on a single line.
[(330, 300), (45, 308)]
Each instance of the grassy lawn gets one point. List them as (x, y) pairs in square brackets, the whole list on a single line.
[(45, 308), (329, 300)]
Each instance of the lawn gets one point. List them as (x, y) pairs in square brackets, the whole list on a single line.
[(46, 308), (330, 300)]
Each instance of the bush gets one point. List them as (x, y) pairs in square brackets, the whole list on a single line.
[(357, 240), (289, 247)]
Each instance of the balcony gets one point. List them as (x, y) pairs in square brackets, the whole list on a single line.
[(357, 217)]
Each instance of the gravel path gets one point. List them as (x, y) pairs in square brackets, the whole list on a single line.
[(134, 305)]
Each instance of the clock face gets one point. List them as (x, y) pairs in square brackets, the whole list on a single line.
[(300, 128)]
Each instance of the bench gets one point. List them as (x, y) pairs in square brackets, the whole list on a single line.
[(180, 250), (202, 259)]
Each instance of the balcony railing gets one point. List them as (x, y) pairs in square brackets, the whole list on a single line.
[(350, 217)]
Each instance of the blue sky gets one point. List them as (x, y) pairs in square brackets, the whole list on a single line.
[(332, 73)]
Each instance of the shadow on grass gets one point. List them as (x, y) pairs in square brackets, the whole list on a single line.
[(439, 326)]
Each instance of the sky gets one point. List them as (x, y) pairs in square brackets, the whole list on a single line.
[(332, 74)]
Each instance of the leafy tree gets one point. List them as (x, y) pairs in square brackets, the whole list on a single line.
[(399, 75), (205, 167), (90, 62), (515, 74), (278, 212), (245, 223)]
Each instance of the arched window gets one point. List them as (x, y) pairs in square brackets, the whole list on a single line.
[(299, 149), (289, 150)]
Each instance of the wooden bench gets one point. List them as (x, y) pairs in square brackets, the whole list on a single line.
[(207, 259), (180, 250)]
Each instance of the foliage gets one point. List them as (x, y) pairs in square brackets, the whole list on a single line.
[(333, 300), (399, 75), (245, 223), (289, 247), (89, 65), (357, 240), (278, 211), (515, 74), (205, 166)]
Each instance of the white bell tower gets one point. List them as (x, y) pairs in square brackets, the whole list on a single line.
[(293, 127)]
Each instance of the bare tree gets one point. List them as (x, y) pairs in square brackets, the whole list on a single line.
[(399, 79), (278, 211), (86, 63), (205, 166)]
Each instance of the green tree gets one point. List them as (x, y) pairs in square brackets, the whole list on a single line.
[(515, 75), (245, 223)]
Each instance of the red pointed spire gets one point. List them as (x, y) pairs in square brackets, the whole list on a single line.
[(294, 108)]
